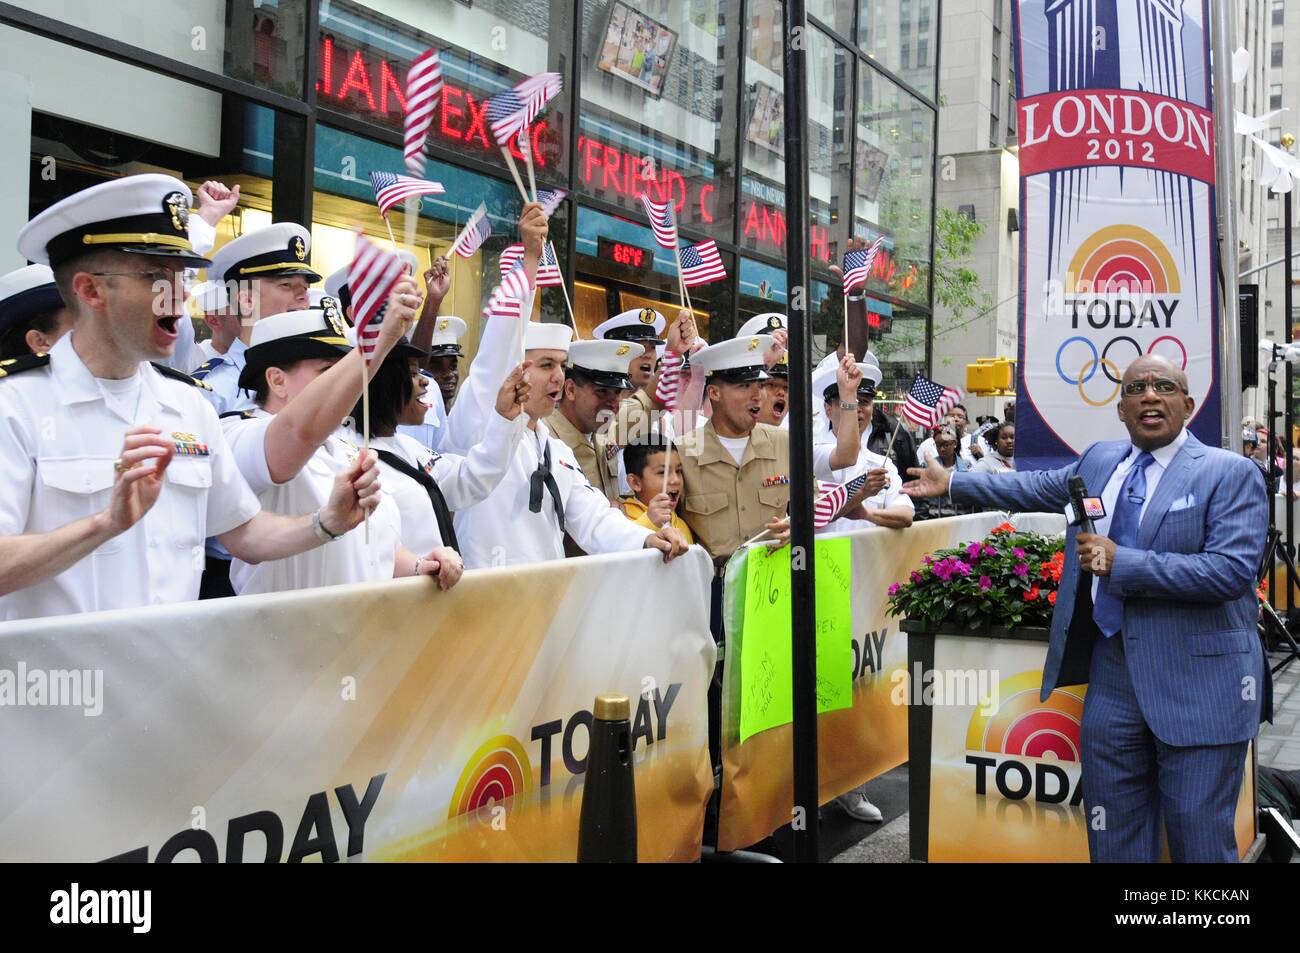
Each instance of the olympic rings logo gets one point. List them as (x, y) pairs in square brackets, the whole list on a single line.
[(1109, 368)]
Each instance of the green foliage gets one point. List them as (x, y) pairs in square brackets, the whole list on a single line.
[(1008, 579), (956, 287)]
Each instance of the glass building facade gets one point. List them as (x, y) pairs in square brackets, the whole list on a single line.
[(298, 101)]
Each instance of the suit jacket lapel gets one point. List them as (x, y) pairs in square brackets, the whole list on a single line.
[(1173, 485)]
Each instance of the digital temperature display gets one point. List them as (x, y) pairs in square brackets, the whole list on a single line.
[(624, 254)]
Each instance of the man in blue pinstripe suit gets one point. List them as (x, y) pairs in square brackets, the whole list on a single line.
[(1157, 614)]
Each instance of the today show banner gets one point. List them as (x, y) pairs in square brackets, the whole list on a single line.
[(1117, 245)]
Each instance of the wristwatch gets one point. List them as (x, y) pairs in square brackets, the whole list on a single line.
[(846, 405), (323, 534)]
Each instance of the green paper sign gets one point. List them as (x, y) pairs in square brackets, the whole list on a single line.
[(765, 665)]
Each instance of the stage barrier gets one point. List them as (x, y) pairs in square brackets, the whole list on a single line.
[(380, 722)]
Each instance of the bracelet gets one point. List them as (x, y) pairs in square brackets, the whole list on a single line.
[(845, 405), (415, 570), (319, 528)]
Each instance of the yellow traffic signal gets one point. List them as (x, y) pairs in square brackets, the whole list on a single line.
[(991, 377)]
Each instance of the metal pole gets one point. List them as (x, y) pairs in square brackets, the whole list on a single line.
[(1225, 162), (1258, 268), (1287, 399), (802, 597)]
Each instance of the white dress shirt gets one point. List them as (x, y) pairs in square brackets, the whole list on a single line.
[(1155, 470), (463, 481), (347, 559), (59, 437), (502, 530)]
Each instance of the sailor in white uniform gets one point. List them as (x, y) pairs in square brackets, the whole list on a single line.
[(266, 272), (114, 468)]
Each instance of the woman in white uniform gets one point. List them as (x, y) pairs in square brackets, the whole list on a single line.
[(428, 486), (306, 378)]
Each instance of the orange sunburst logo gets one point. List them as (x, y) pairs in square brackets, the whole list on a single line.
[(1024, 726), (1122, 259), (497, 771)]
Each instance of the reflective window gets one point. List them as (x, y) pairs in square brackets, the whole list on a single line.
[(366, 50), (258, 41), (892, 188), (898, 34), (830, 73), (658, 111)]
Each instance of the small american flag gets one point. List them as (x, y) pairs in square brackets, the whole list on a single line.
[(832, 499), (928, 402), (550, 200), (701, 264), (393, 189), (511, 110), (858, 263), (423, 87), (473, 234), (507, 298), (548, 270), (668, 386), (662, 221), (371, 278)]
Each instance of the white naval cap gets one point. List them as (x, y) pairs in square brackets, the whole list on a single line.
[(637, 324), (824, 380), (139, 214), (26, 293), (550, 337), (210, 296), (605, 362), (764, 323), (292, 336), (274, 251), (447, 333), (737, 361), (336, 283)]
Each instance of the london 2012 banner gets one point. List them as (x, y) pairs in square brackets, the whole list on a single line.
[(1117, 247)]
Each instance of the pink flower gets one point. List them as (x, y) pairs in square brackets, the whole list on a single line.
[(973, 550), (1018, 553), (943, 569), (986, 583), (961, 568), (1022, 569), (893, 590), (916, 576), (989, 550)]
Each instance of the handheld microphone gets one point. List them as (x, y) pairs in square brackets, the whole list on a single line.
[(1077, 494)]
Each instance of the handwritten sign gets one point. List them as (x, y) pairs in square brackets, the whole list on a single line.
[(766, 699)]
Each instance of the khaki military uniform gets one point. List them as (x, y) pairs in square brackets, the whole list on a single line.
[(637, 419), (596, 453), (725, 504)]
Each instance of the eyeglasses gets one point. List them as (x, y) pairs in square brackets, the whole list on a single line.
[(1161, 385), (152, 276)]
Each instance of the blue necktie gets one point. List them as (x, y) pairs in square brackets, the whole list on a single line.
[(1108, 611)]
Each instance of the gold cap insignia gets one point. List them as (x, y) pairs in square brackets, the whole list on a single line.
[(443, 324), (774, 322), (178, 209), (753, 344), (622, 350), (333, 316), (299, 249), (647, 316)]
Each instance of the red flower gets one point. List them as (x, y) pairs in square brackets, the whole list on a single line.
[(1003, 528), (1032, 594), (1051, 598)]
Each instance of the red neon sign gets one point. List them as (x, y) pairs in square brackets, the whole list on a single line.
[(356, 83)]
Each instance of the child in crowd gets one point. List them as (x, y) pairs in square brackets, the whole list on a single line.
[(652, 503)]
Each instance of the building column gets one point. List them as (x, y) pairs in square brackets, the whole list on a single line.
[(15, 164)]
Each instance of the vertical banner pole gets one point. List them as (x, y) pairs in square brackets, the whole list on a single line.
[(802, 591), (1225, 193), (1288, 418)]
